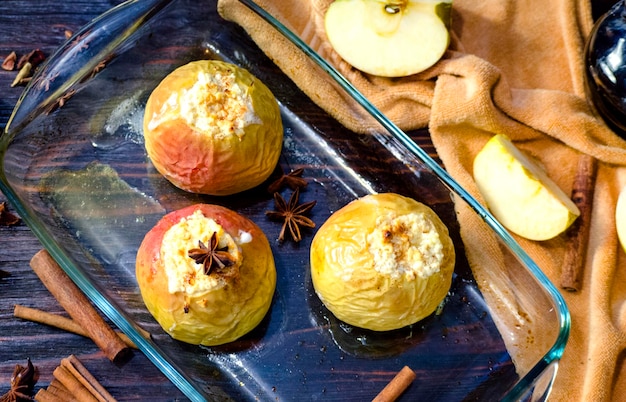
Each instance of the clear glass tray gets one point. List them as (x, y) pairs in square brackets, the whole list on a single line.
[(74, 166)]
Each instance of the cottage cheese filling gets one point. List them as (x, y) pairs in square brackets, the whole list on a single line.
[(216, 105), (405, 245), (183, 274)]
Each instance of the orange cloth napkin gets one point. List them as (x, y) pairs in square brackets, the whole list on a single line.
[(513, 67)]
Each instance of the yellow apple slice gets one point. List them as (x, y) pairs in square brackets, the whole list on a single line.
[(391, 38), (519, 193), (620, 217)]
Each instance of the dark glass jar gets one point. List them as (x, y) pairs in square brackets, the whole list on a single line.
[(605, 58)]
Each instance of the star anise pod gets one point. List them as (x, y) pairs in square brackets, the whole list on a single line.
[(292, 215), (293, 180), (7, 218), (212, 256), (99, 67), (23, 381), (60, 102)]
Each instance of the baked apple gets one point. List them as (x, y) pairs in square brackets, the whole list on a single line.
[(211, 127), (206, 274), (382, 262)]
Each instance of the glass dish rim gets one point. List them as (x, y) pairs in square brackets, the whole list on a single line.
[(149, 348)]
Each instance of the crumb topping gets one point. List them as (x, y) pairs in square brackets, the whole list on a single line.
[(183, 273), (217, 105), (406, 245)]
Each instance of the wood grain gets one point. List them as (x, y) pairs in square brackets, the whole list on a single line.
[(24, 26)]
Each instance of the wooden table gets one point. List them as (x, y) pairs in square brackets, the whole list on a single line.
[(26, 25)]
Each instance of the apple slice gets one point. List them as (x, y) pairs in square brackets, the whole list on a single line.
[(519, 193), (391, 38), (620, 217)]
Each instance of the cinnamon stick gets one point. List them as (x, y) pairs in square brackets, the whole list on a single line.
[(75, 387), (78, 306), (74, 366), (56, 388), (396, 386), (578, 232), (60, 322), (43, 395), (73, 382)]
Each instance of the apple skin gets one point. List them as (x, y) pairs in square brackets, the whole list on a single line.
[(222, 315), (370, 299), (206, 164), (519, 193), (387, 44)]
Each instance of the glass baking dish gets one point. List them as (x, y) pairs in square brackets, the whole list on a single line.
[(74, 167)]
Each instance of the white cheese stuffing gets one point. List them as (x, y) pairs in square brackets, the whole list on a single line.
[(216, 105), (406, 245), (183, 274)]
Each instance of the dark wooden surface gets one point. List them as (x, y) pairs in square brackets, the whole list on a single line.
[(26, 25)]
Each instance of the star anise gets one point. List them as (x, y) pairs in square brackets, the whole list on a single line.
[(80, 41), (99, 67), (292, 215), (23, 381), (293, 180), (211, 257), (60, 102)]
